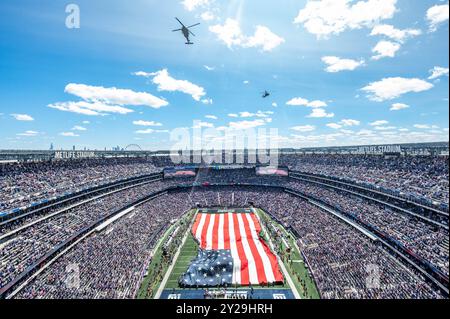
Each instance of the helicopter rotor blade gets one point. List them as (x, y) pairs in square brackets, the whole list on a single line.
[(180, 22), (192, 33), (177, 30), (193, 25)]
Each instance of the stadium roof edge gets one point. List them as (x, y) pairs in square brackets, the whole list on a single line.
[(433, 148)]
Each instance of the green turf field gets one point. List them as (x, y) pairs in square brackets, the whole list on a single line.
[(187, 254), (158, 267)]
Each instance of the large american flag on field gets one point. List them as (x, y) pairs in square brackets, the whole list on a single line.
[(230, 252)]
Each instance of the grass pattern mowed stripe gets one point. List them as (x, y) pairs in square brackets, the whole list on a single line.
[(187, 254)]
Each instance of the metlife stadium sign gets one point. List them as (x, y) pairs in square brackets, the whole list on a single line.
[(379, 149), (74, 154)]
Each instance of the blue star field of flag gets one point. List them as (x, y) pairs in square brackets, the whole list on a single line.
[(211, 268)]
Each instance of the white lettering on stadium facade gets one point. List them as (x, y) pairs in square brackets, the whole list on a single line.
[(73, 154), (380, 149)]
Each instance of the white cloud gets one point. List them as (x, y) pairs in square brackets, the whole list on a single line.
[(146, 131), (86, 122), (385, 128), (79, 128), (114, 96), (207, 16), (243, 125), (365, 133), (211, 117), (336, 64), (437, 72), (304, 128), (200, 124), (262, 114), (316, 104), (23, 117), (425, 126), (344, 122), (264, 38), (167, 83), (86, 108), (146, 123), (207, 101), (379, 123), (246, 114), (68, 134), (385, 49), (325, 17), (150, 131), (191, 5), (318, 113), (246, 82), (436, 15), (334, 126), (209, 68), (28, 133), (274, 104), (393, 33), (299, 101), (399, 106), (231, 34), (350, 122), (391, 88)]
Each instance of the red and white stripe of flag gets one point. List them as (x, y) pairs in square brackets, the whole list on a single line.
[(254, 263)]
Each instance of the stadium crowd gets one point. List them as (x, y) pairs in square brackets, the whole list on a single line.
[(22, 184), (420, 177), (110, 263), (415, 177), (32, 243), (344, 263), (429, 242)]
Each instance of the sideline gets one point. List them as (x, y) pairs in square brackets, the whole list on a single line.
[(282, 266), (174, 260)]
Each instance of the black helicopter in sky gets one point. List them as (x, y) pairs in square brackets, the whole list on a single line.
[(185, 30), (265, 94)]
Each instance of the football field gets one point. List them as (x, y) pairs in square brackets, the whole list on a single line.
[(289, 289)]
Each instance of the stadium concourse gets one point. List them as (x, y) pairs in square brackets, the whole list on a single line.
[(367, 226)]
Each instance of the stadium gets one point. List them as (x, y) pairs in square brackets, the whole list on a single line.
[(325, 223), (210, 158)]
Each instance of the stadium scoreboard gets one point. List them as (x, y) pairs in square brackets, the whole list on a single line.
[(272, 171), (180, 172)]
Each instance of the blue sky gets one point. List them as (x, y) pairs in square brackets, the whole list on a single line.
[(339, 72)]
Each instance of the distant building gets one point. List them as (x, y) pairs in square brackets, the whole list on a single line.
[(51, 146)]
